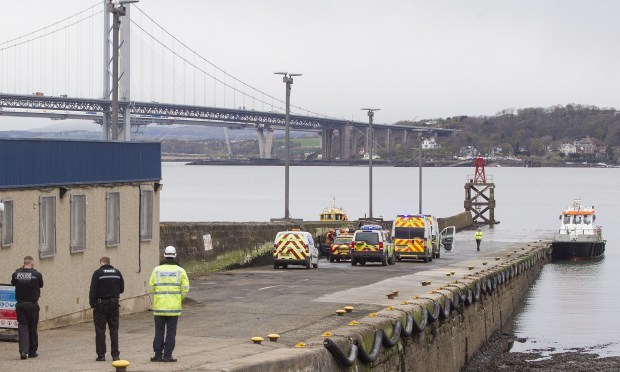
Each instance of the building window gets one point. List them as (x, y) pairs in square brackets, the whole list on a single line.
[(146, 214), (47, 226), (113, 215), (7, 223), (78, 223)]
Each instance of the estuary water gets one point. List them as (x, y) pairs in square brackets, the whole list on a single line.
[(572, 304)]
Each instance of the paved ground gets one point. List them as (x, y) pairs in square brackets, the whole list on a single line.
[(230, 307)]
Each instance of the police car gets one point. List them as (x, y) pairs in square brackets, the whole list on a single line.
[(371, 243)]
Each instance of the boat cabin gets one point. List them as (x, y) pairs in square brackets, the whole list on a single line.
[(578, 220)]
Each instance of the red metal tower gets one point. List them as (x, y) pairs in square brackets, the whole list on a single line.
[(480, 176)]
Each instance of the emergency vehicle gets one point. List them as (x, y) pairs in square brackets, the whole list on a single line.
[(412, 236), (434, 230), (340, 249), (372, 244), (294, 248)]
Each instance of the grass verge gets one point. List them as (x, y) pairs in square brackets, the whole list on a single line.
[(260, 255)]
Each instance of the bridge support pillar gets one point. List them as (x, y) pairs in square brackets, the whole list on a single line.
[(268, 143), (261, 142), (354, 139), (327, 139), (388, 141), (265, 141), (345, 141)]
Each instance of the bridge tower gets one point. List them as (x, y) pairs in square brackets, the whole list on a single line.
[(124, 75), (480, 195)]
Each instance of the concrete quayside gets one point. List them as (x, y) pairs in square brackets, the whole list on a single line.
[(481, 288)]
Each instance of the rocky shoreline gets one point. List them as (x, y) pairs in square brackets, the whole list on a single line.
[(495, 356)]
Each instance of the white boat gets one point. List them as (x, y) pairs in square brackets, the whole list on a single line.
[(579, 237)]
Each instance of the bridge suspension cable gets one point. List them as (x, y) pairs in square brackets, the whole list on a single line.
[(265, 98)]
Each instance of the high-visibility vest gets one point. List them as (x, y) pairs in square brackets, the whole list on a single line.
[(478, 235), (169, 285)]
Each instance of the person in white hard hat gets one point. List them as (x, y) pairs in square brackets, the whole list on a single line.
[(169, 285)]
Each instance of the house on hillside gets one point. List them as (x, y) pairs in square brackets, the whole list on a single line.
[(67, 204), (583, 146), (429, 143)]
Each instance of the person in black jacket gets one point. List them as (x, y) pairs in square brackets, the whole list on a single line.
[(28, 283), (106, 286)]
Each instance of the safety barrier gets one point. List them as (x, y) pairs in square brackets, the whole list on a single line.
[(436, 307)]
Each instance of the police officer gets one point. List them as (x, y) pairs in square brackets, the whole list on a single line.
[(28, 283), (106, 286), (169, 285)]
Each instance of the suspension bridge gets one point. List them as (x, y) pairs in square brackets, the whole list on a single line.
[(64, 71)]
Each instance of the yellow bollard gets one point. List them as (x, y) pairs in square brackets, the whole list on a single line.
[(120, 365)]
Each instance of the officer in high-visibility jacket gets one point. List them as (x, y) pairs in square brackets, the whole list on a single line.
[(478, 237), (169, 285)]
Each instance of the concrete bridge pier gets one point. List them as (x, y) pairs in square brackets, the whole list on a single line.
[(344, 133), (327, 139), (354, 139), (388, 141), (265, 140)]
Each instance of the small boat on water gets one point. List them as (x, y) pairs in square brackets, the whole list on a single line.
[(579, 236), (334, 213)]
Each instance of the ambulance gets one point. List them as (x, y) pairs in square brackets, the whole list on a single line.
[(295, 247), (412, 235)]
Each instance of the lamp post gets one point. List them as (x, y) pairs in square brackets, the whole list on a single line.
[(371, 114), (420, 174), (117, 11), (287, 78)]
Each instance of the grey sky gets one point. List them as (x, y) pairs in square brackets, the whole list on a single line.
[(412, 59)]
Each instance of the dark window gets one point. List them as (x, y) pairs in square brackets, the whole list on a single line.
[(408, 233), (368, 237)]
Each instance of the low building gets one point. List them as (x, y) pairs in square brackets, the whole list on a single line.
[(68, 203), (429, 143)]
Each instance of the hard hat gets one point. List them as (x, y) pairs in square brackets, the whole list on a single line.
[(170, 252), (480, 228)]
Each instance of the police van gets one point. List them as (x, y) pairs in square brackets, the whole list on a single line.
[(372, 244), (413, 237), (294, 248)]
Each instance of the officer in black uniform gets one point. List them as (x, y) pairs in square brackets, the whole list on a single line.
[(105, 288), (28, 283)]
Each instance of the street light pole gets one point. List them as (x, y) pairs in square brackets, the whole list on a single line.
[(117, 12), (371, 114), (420, 175), (287, 78)]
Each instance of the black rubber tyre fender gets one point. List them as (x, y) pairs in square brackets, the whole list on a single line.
[(444, 310), (390, 342), (477, 292), (407, 331), (374, 351), (342, 359), (469, 296), (419, 326), (434, 315)]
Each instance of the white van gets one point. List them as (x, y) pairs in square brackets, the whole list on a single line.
[(295, 248)]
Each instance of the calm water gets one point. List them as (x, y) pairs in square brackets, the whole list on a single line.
[(571, 305)]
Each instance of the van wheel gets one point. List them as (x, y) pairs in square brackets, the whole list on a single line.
[(425, 259), (331, 258), (285, 266), (276, 266), (438, 255), (309, 264), (392, 260), (384, 261), (316, 265), (362, 262), (353, 262)]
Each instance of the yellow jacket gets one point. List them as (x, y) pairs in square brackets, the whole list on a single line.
[(478, 235), (169, 285)]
